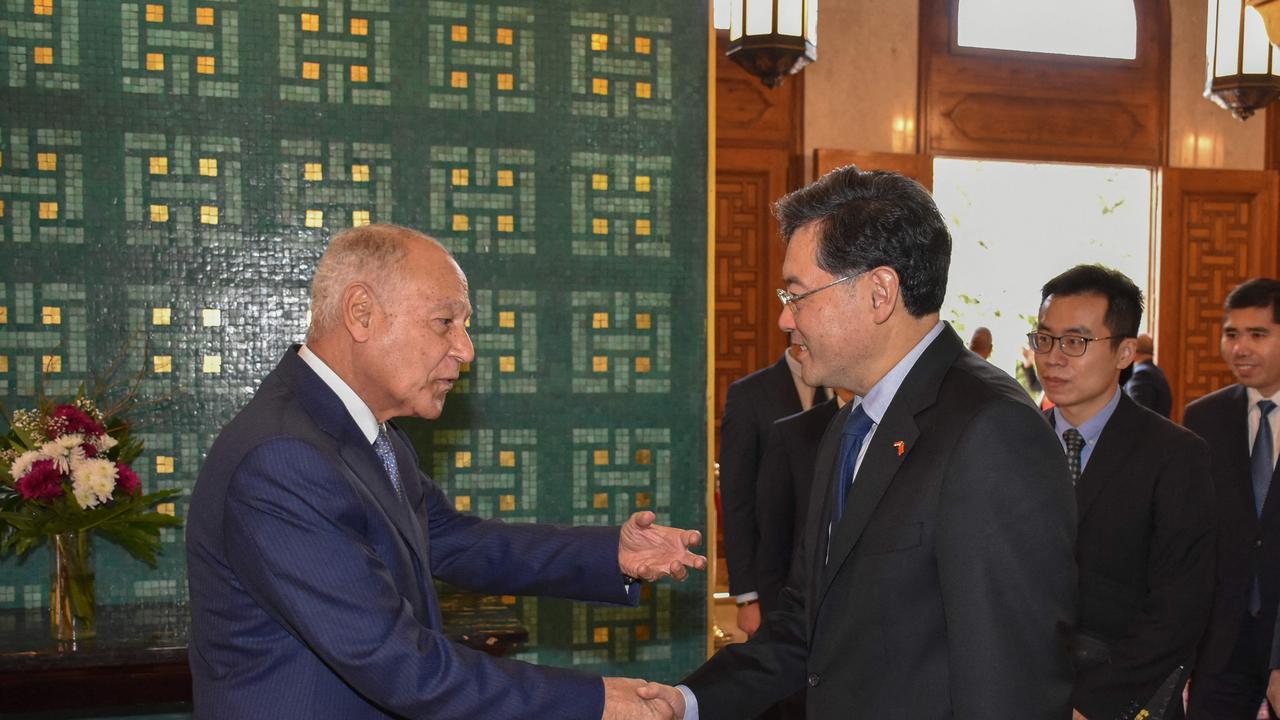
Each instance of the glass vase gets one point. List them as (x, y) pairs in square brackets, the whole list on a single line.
[(72, 606)]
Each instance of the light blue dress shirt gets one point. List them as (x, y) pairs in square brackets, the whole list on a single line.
[(1090, 429)]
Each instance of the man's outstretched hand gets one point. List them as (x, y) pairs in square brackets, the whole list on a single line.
[(649, 551)]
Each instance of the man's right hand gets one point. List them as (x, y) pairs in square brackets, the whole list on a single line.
[(667, 695), (622, 701), (749, 618)]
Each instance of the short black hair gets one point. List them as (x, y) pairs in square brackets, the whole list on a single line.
[(1124, 299), (873, 218), (1256, 293)]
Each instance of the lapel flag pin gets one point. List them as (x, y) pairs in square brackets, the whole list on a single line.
[(902, 447)]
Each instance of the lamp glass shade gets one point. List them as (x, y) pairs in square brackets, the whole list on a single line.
[(759, 17), (1240, 73), (811, 16), (791, 17), (735, 19)]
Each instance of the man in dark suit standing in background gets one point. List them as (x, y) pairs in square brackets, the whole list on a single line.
[(1148, 386), (750, 407), (782, 494), (313, 537), (1240, 424), (1144, 499), (937, 566)]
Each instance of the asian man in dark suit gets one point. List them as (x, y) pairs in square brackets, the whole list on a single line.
[(1148, 386), (1144, 499), (1236, 654), (937, 570), (750, 407), (313, 537)]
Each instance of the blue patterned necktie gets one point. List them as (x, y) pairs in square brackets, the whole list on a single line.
[(382, 446), (855, 431), (1260, 468)]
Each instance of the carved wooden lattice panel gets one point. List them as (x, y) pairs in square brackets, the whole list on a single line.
[(742, 208), (1218, 228), (1216, 254)]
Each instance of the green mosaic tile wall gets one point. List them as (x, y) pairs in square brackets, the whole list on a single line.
[(171, 170)]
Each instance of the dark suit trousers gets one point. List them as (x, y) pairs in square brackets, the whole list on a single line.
[(1236, 692)]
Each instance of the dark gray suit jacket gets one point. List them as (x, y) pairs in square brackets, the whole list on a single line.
[(951, 578), (1145, 553), (750, 407)]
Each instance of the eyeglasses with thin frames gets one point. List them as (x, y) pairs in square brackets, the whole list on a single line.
[(791, 299), (1070, 345)]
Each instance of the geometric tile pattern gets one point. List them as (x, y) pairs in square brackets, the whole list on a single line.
[(40, 44), (176, 47), (171, 170), (41, 186), (482, 199), (621, 342), (620, 65), (182, 189), (337, 51), (621, 205), (480, 57)]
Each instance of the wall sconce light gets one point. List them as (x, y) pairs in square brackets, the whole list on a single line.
[(773, 38), (1242, 66)]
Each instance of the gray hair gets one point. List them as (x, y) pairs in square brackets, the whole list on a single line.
[(372, 254)]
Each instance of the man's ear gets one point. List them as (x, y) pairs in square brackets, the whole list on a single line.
[(885, 289), (358, 305), (1128, 350)]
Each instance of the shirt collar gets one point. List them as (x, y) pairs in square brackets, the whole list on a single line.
[(356, 408), (1090, 429), (1255, 395), (881, 394)]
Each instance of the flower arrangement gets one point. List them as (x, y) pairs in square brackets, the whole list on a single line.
[(66, 468)]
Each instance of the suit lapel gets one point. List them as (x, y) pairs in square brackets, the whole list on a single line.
[(331, 416), (880, 464), (1107, 458), (1236, 427)]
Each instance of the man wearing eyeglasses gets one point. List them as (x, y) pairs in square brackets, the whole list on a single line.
[(1241, 423), (935, 567), (1144, 542)]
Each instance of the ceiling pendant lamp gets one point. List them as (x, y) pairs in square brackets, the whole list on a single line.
[(1242, 66), (773, 38)]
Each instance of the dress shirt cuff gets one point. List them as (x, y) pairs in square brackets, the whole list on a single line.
[(690, 703), (746, 597)]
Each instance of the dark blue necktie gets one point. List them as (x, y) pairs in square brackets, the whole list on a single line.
[(1261, 469), (855, 431), (382, 446)]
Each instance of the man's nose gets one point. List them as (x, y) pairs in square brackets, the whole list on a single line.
[(465, 350), (787, 318)]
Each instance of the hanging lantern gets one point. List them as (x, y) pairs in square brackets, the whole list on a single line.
[(1243, 68), (773, 38)]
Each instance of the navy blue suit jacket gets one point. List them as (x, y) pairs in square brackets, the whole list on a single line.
[(310, 579)]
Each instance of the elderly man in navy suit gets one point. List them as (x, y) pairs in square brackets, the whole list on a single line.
[(313, 537)]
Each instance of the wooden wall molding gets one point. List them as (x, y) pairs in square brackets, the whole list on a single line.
[(916, 167), (1218, 228), (1004, 104)]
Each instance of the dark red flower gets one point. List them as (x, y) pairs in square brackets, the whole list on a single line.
[(69, 419), (127, 479), (89, 450), (42, 482)]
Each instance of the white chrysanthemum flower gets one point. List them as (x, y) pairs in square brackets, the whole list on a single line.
[(93, 482), (105, 442), (23, 463), (85, 497), (60, 456), (70, 441)]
